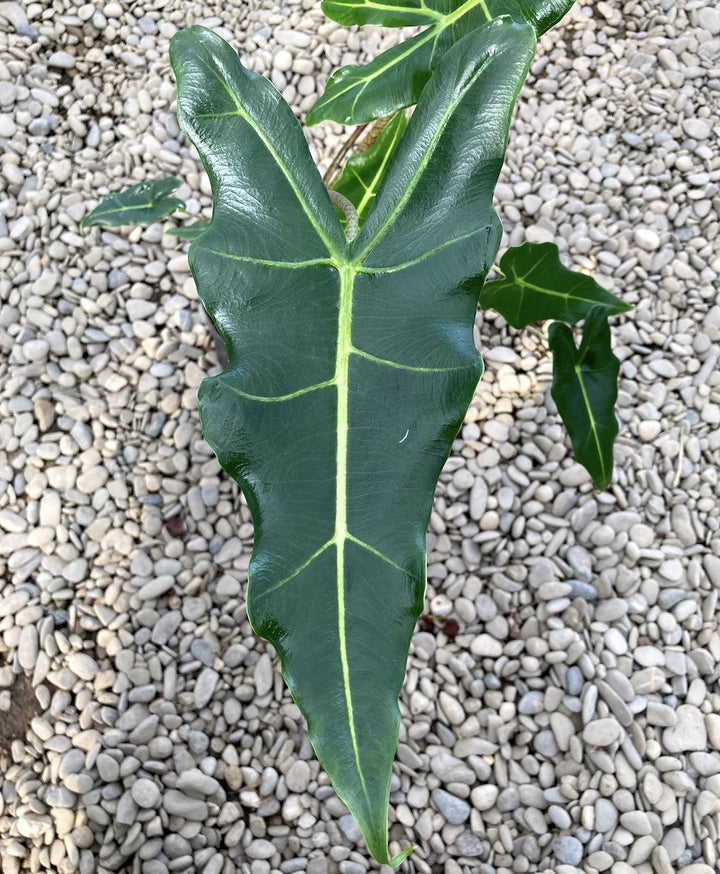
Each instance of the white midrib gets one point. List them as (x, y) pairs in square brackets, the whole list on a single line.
[(342, 382)]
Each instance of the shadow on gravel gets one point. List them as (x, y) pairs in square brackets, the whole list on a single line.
[(15, 722)]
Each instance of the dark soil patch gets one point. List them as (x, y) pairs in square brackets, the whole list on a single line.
[(15, 722)]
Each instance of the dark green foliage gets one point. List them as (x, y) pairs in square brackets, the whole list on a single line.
[(142, 204), (585, 390), (537, 287)]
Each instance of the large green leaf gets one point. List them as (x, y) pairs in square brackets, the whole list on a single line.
[(585, 390), (351, 367), (537, 287), (395, 79), (363, 172), (141, 204)]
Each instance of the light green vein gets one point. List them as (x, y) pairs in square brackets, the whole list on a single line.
[(591, 417), (371, 190), (263, 399), (376, 552), (566, 295), (298, 570), (111, 210), (413, 11), (575, 292), (233, 113), (432, 34), (386, 362), (261, 262), (394, 268), (342, 379)]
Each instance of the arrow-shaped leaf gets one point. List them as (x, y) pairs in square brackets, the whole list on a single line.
[(395, 79), (142, 204), (537, 287), (363, 172), (351, 367), (585, 390)]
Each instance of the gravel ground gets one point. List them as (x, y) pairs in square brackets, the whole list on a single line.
[(562, 709)]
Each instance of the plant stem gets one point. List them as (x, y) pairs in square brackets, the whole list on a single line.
[(349, 143), (351, 216), (537, 332), (485, 10)]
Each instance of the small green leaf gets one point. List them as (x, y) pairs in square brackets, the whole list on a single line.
[(363, 173), (142, 204), (395, 79), (188, 232), (537, 287), (585, 390)]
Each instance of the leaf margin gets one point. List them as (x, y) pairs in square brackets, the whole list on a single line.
[(349, 255)]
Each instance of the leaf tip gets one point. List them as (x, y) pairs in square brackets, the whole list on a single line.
[(312, 118), (396, 861), (601, 483)]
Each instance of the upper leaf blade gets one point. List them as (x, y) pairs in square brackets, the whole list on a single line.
[(388, 13), (395, 79), (431, 198), (351, 368), (538, 287), (364, 171), (541, 14), (585, 390), (141, 204)]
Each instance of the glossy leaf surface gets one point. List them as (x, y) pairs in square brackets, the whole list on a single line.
[(541, 14), (142, 204), (537, 287), (187, 232), (395, 79), (584, 389), (364, 171), (351, 367)]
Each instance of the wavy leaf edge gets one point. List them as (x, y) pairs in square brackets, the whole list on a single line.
[(349, 261)]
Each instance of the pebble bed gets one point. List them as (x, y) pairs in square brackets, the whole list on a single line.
[(561, 711)]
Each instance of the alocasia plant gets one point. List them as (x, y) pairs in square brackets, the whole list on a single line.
[(351, 356)]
